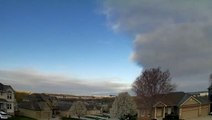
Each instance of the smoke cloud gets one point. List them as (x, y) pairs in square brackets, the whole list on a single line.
[(175, 35), (37, 81)]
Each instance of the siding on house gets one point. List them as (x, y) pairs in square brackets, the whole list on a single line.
[(39, 115), (191, 108), (182, 104), (7, 99), (35, 106)]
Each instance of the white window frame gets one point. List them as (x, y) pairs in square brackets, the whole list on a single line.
[(9, 95), (9, 106)]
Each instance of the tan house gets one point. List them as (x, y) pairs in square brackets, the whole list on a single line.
[(7, 99), (180, 104), (39, 111), (37, 106)]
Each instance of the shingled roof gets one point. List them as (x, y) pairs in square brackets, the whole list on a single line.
[(37, 106), (64, 106), (203, 99), (37, 102), (4, 88), (178, 98), (174, 99)]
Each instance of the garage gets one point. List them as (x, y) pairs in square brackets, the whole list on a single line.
[(190, 112), (183, 105), (205, 110)]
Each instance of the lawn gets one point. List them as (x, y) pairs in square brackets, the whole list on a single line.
[(70, 119), (20, 118)]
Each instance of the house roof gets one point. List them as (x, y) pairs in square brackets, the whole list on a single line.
[(178, 98), (173, 98), (64, 106), (39, 98), (34, 97), (5, 87), (37, 102), (203, 99), (184, 98), (160, 104), (170, 99), (37, 106)]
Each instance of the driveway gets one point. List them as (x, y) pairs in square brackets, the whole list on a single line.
[(202, 118)]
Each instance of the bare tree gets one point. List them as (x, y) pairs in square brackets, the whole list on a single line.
[(78, 108), (124, 107), (151, 83)]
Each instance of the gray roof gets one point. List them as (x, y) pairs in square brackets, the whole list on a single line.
[(64, 106), (5, 87), (203, 99), (178, 98), (37, 102), (36, 97), (173, 98), (37, 106), (184, 98)]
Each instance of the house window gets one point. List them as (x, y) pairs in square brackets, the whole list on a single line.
[(9, 106), (9, 95)]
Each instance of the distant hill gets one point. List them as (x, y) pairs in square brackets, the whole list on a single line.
[(19, 95)]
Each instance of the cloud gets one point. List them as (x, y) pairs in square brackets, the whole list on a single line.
[(175, 35), (184, 49), (36, 81), (136, 16)]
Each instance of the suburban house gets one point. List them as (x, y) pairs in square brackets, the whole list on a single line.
[(93, 109), (65, 108), (7, 99), (38, 106), (179, 103)]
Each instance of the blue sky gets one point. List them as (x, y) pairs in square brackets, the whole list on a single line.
[(89, 47), (66, 37)]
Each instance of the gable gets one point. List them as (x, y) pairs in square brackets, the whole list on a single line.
[(5, 88), (44, 106), (9, 89), (191, 101), (159, 104)]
